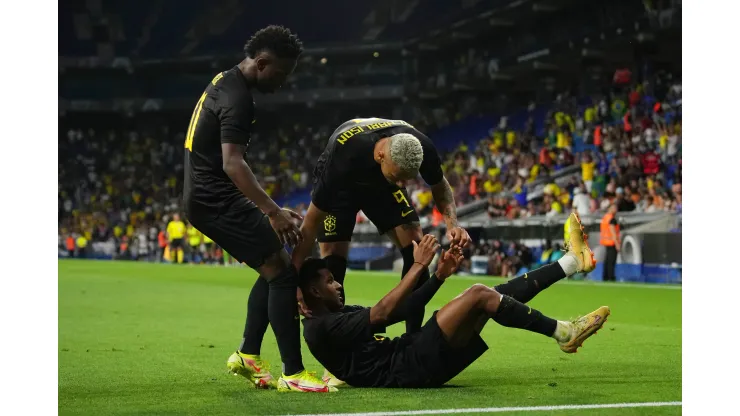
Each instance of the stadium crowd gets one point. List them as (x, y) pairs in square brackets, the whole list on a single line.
[(125, 186)]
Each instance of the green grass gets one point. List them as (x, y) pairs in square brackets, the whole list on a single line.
[(140, 339)]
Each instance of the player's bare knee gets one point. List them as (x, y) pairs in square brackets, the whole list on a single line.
[(404, 234), (483, 295), (335, 248), (413, 231), (479, 289)]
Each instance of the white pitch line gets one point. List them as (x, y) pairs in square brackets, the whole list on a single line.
[(506, 409)]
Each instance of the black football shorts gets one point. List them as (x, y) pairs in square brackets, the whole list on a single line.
[(387, 208), (428, 360), (240, 228)]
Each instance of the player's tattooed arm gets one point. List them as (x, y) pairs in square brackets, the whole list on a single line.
[(445, 201), (443, 197)]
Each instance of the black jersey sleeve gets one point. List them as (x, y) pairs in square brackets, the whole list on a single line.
[(236, 116), (431, 165)]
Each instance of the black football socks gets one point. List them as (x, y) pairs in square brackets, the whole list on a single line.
[(282, 310), (524, 288), (515, 314), (257, 318), (338, 267), (415, 316)]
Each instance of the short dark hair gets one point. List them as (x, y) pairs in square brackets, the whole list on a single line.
[(278, 40), (310, 271)]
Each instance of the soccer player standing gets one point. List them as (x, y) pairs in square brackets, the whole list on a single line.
[(225, 202), (175, 234)]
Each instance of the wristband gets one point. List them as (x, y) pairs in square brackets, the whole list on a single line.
[(416, 262)]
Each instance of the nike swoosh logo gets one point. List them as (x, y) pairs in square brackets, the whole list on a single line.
[(250, 363), (309, 388), (596, 321), (404, 214)]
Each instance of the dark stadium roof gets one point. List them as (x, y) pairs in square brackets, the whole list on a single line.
[(169, 28)]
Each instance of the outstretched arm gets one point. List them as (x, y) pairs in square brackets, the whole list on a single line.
[(448, 263), (381, 313), (418, 299), (445, 201)]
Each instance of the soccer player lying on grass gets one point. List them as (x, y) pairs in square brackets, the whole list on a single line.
[(342, 338)]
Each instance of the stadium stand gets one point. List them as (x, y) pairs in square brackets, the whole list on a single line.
[(564, 112)]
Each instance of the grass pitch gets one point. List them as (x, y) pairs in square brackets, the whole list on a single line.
[(150, 339)]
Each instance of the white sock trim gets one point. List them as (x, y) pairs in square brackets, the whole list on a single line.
[(562, 332), (569, 264)]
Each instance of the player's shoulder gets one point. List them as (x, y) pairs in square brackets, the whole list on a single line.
[(231, 84), (353, 308), (231, 78), (376, 123), (339, 315), (367, 127)]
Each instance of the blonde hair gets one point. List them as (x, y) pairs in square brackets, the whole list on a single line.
[(406, 152)]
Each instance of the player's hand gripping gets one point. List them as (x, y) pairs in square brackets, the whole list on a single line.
[(281, 221), (448, 262), (425, 250), (458, 237)]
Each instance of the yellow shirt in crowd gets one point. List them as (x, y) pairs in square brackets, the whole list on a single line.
[(81, 242), (425, 198), (193, 236), (587, 170), (590, 114), (533, 173), (552, 189), (563, 140), (510, 138), (492, 187)]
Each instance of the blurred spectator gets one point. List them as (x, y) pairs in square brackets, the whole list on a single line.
[(624, 204), (125, 184), (581, 202), (497, 206)]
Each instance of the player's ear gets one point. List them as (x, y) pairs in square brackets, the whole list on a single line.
[(262, 61)]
